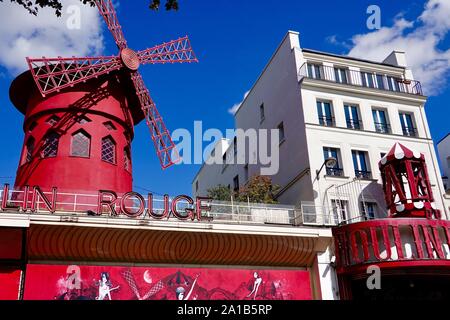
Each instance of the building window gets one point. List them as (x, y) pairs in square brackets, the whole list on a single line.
[(340, 209), (367, 80), (261, 112), (380, 121), (369, 210), (126, 159), (32, 126), (224, 158), (29, 149), (196, 186), (236, 183), (83, 119), (53, 120), (393, 83), (81, 144), (109, 150), (235, 146), (315, 71), (51, 142), (336, 170), (360, 161), (352, 117), (380, 81), (407, 122), (281, 132), (340, 75), (325, 114), (109, 125), (246, 173)]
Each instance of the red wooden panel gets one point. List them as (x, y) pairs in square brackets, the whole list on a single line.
[(9, 284), (10, 243)]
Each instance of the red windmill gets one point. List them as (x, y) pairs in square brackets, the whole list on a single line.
[(54, 74), (80, 115)]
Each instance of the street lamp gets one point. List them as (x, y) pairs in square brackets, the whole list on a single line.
[(329, 163)]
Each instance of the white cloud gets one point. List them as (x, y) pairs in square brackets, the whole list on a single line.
[(24, 35), (420, 39), (236, 106)]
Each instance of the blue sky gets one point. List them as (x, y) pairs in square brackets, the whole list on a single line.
[(233, 41)]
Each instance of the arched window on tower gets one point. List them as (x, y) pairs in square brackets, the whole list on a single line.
[(29, 149), (80, 144), (50, 148), (109, 150), (127, 159)]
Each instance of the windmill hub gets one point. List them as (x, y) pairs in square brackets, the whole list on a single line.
[(130, 59)]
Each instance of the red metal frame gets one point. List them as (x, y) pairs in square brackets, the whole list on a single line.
[(54, 74)]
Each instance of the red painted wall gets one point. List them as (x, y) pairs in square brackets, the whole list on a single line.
[(100, 101), (9, 283), (129, 283), (10, 243)]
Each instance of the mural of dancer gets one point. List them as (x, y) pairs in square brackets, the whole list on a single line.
[(156, 283), (104, 287), (256, 284)]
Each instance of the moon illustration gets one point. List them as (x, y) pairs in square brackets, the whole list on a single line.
[(147, 277)]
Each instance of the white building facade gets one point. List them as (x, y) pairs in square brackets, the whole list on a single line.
[(330, 106), (443, 147)]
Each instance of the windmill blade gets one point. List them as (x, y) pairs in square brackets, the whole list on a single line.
[(176, 51), (108, 12), (165, 148), (54, 74)]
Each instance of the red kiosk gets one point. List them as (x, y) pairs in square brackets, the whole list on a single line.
[(410, 246)]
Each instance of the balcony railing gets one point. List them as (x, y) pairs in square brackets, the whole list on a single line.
[(382, 127), (354, 124), (354, 78), (363, 174), (410, 132), (336, 172), (327, 121), (75, 206)]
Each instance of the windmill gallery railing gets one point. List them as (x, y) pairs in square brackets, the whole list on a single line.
[(87, 205)]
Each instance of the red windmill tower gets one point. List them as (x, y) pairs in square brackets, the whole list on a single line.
[(79, 123), (406, 184)]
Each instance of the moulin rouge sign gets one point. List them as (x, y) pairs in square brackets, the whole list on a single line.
[(108, 202)]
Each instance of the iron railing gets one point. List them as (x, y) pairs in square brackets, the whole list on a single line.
[(354, 78), (337, 172), (86, 204), (363, 174), (409, 131), (327, 121), (354, 124), (381, 127)]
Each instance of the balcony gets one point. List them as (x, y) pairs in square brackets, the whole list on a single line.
[(363, 174), (357, 78), (382, 127), (409, 132), (335, 172), (354, 124), (327, 121)]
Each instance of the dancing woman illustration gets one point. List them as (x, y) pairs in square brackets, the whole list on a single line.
[(104, 287), (180, 291), (256, 285)]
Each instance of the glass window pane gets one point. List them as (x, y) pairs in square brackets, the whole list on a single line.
[(108, 150)]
